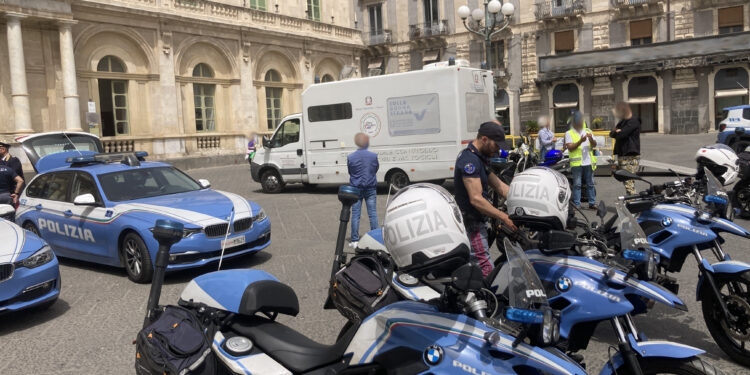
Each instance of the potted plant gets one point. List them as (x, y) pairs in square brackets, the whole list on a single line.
[(532, 127), (597, 123)]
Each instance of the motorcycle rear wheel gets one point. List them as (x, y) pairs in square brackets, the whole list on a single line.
[(741, 200), (733, 339), (685, 366)]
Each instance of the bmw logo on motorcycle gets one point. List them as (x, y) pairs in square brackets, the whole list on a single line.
[(563, 284), (666, 221), (433, 355)]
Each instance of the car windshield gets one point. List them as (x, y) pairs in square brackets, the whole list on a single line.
[(145, 183)]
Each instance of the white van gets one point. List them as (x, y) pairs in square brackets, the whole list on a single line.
[(417, 122)]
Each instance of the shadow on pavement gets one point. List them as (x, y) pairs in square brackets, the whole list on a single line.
[(17, 321)]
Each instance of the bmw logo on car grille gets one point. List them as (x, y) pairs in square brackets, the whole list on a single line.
[(433, 355), (563, 284), (666, 221)]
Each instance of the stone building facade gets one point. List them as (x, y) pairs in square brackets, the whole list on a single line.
[(678, 62), (171, 77)]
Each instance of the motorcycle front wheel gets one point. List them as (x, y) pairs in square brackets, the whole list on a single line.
[(732, 337), (673, 366)]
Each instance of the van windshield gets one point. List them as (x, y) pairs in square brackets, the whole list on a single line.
[(288, 133)]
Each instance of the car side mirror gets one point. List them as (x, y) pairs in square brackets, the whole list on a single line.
[(85, 200), (555, 241), (623, 175), (204, 183), (601, 210), (468, 277), (266, 142)]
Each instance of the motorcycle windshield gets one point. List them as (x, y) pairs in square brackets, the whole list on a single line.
[(715, 192), (633, 241), (525, 290)]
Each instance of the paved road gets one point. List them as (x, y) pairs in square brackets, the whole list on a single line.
[(91, 328)]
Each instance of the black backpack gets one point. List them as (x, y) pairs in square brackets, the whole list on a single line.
[(363, 286), (174, 344)]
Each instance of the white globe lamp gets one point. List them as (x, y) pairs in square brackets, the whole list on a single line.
[(508, 9), (494, 6), (464, 12), (477, 14)]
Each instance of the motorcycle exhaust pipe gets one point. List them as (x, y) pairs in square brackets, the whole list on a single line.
[(167, 233)]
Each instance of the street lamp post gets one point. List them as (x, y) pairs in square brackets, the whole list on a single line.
[(490, 27)]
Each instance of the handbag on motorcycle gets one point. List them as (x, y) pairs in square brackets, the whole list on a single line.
[(363, 286), (174, 344)]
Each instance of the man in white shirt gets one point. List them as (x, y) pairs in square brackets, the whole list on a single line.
[(580, 142)]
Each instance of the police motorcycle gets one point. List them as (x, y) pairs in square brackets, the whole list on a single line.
[(574, 284), (676, 231), (465, 329)]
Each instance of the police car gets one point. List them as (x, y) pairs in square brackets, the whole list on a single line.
[(100, 207), (736, 117), (29, 273)]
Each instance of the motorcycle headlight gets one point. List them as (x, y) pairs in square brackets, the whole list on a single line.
[(187, 232), (259, 216), (41, 257)]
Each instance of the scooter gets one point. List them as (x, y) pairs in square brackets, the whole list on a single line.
[(674, 232), (404, 337)]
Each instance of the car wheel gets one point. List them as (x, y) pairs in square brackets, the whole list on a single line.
[(271, 182), (29, 226), (136, 258)]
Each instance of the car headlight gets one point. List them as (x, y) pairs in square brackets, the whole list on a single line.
[(41, 257), (187, 232), (259, 216)]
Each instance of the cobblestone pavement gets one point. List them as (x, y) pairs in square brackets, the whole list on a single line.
[(91, 328)]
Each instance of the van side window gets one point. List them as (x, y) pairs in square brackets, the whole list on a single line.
[(330, 112), (288, 133)]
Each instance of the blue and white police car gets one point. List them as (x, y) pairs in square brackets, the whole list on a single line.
[(736, 117), (29, 273), (100, 207)]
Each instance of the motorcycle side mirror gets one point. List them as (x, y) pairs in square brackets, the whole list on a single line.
[(468, 277), (348, 195), (640, 205), (601, 210), (555, 241), (623, 175)]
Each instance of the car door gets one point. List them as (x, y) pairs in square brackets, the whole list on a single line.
[(53, 210), (286, 147), (91, 228)]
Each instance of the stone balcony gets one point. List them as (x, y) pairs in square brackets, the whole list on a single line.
[(679, 54), (377, 37), (221, 12), (554, 9), (429, 29)]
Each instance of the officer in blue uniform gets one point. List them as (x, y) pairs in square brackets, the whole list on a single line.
[(472, 181), (10, 186)]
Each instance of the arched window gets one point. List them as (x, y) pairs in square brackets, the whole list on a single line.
[(273, 99), (113, 98), (327, 78), (203, 96)]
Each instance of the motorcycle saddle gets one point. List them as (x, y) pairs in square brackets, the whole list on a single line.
[(290, 348)]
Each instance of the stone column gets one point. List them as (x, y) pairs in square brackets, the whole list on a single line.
[(18, 89), (250, 116), (665, 110), (704, 117), (70, 85), (587, 106), (617, 83)]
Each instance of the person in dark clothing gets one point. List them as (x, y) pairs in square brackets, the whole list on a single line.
[(10, 186), (363, 166), (10, 161), (627, 135), (472, 181)]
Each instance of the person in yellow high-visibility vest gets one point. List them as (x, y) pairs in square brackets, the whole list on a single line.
[(580, 142)]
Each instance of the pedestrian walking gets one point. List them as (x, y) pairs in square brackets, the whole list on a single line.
[(627, 136), (547, 138), (472, 182), (363, 166), (580, 142)]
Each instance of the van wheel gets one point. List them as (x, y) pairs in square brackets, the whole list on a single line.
[(136, 258), (271, 182), (398, 178)]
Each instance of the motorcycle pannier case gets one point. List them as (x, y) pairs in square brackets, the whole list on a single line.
[(174, 344), (363, 286)]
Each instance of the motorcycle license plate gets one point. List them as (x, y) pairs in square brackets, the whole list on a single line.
[(231, 242)]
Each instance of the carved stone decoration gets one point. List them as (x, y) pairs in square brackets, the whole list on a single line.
[(246, 51), (166, 42)]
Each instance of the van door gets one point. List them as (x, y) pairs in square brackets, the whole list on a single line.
[(286, 149)]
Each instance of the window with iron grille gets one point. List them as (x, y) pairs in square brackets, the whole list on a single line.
[(731, 20)]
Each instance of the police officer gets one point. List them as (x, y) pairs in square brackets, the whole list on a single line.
[(472, 183), (10, 186), (8, 160)]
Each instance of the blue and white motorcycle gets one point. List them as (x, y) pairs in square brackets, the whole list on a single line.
[(404, 337), (676, 231), (587, 292)]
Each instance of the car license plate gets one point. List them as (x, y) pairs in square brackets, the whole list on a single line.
[(231, 242)]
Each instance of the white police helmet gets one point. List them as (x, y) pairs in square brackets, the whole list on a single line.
[(539, 196), (424, 231), (721, 160)]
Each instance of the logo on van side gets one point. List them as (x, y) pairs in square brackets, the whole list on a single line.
[(370, 124)]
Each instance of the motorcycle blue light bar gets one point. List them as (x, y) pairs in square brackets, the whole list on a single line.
[(715, 199), (503, 154), (141, 154), (635, 255), (524, 316)]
